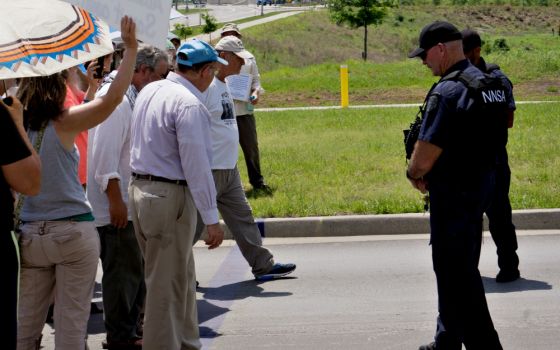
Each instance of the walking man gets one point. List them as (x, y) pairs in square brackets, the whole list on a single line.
[(231, 200), (123, 284), (171, 180)]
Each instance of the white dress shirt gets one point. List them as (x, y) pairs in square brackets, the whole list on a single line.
[(108, 157), (170, 138)]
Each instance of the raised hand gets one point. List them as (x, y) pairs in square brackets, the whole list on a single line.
[(128, 32)]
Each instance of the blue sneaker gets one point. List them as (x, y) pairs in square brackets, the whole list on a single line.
[(278, 270)]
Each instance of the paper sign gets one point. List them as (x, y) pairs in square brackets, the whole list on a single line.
[(240, 86), (151, 16)]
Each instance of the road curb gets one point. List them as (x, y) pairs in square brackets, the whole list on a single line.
[(387, 224)]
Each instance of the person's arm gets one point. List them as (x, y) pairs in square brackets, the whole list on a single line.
[(256, 88), (86, 116), (422, 161), (23, 175), (192, 138), (510, 118), (117, 208)]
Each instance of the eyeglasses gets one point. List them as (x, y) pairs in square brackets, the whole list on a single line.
[(424, 54)]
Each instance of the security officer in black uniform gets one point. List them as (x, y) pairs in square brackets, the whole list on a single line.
[(454, 159), (499, 212)]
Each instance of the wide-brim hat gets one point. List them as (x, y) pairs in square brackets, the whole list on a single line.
[(230, 27), (233, 44)]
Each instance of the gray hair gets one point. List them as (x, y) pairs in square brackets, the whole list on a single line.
[(150, 55)]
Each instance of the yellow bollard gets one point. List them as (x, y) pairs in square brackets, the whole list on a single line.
[(344, 86)]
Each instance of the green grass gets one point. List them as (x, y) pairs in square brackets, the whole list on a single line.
[(192, 10), (336, 162), (299, 57)]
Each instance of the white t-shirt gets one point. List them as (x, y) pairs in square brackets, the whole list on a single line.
[(223, 125)]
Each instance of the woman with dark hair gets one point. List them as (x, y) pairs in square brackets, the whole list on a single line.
[(59, 242)]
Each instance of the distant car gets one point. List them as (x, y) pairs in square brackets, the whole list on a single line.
[(264, 2)]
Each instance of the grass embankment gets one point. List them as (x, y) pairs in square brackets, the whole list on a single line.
[(351, 161), (299, 57), (336, 162)]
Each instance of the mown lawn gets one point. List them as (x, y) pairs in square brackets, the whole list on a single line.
[(336, 162)]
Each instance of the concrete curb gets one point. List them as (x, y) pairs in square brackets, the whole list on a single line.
[(390, 224)]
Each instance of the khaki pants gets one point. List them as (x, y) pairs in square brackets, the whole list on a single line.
[(164, 217), (59, 258)]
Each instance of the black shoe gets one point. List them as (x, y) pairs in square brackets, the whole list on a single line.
[(277, 271), (130, 344), (431, 346), (263, 189), (507, 276)]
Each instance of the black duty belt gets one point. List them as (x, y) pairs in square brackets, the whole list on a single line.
[(159, 178)]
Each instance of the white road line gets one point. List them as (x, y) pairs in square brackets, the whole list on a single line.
[(396, 105)]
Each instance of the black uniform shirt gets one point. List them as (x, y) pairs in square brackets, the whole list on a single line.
[(12, 149), (449, 124)]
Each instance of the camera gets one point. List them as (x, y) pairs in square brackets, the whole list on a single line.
[(98, 74)]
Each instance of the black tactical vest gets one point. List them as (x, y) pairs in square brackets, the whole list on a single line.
[(479, 131)]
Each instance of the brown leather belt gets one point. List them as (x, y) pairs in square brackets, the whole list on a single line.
[(159, 178)]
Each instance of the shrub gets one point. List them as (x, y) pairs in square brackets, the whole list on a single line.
[(182, 31), (500, 45)]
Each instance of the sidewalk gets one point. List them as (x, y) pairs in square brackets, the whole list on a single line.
[(215, 35), (386, 224)]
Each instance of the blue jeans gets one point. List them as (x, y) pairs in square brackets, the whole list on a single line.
[(123, 284)]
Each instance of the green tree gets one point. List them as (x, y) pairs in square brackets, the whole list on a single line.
[(182, 31), (359, 13), (210, 24)]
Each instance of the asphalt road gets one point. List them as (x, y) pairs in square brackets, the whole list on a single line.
[(365, 292)]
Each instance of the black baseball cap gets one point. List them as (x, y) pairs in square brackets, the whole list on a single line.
[(432, 34), (471, 40)]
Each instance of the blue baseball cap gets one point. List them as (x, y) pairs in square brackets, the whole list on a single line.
[(198, 51)]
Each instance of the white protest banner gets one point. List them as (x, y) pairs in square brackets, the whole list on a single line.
[(151, 16)]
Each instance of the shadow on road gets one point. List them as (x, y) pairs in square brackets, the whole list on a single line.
[(208, 311), (216, 302), (240, 290), (522, 284)]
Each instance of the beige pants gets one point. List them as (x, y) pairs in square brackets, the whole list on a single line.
[(164, 217), (59, 259)]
